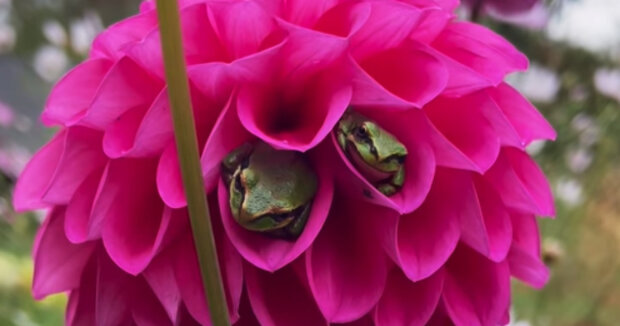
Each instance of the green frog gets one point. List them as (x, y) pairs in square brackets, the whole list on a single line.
[(270, 191), (375, 152)]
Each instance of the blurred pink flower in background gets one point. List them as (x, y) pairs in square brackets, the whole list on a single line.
[(527, 13), (439, 248)]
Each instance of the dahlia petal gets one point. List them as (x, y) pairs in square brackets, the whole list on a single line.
[(503, 127), (160, 277), (364, 321), (134, 226), (408, 303), (346, 271), (446, 5), (420, 167), (462, 79), (344, 19), (169, 179), (480, 49), (524, 257), (79, 226), (520, 183), (476, 290), (215, 80), (139, 133), (305, 13), (227, 134), (404, 76), (58, 263), (301, 129), (470, 142), (55, 173), (241, 35), (432, 22), (64, 103), (127, 86), (272, 254), (389, 23), (81, 305), (281, 298), (246, 315), (113, 302), (523, 116), (189, 279), (147, 310), (117, 37), (485, 223), (426, 238)]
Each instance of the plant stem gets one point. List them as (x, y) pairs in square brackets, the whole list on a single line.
[(187, 145)]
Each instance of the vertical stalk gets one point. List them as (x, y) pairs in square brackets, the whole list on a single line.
[(187, 145)]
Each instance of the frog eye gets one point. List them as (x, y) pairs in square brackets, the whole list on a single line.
[(361, 132)]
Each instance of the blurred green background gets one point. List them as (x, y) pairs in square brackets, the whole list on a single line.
[(574, 48)]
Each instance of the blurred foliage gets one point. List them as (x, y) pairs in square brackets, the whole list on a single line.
[(581, 245)]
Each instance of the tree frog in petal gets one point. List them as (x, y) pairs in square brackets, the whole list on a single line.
[(375, 152), (270, 191)]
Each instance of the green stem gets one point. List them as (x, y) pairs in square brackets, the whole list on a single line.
[(187, 145)]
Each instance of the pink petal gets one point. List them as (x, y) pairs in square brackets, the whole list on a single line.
[(272, 254), (189, 280), (364, 321), (160, 277), (58, 263), (119, 36), (65, 103), (432, 22), (227, 134), (281, 298), (127, 86), (347, 271), (405, 76), (521, 183), (389, 23), (524, 257), (480, 49), (470, 141), (57, 170), (425, 239), (485, 223), (305, 13), (134, 226), (241, 35), (344, 19), (169, 179), (419, 165), (462, 79), (308, 96), (79, 225), (408, 303), (155, 131), (476, 290), (147, 310), (521, 114)]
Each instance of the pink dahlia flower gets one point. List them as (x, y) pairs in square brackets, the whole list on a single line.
[(364, 162)]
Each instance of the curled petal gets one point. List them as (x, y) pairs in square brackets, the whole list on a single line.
[(305, 13), (426, 238), (419, 165), (65, 104), (480, 49), (57, 170), (524, 257), (345, 19), (282, 298), (347, 271), (476, 290), (160, 277), (408, 303), (485, 223), (469, 141), (272, 254), (528, 123), (406, 76), (58, 263), (520, 183), (126, 86), (118, 37)]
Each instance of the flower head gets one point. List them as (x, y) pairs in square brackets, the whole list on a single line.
[(364, 162)]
